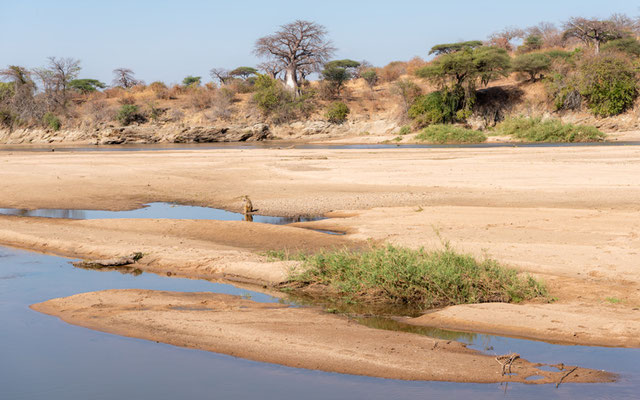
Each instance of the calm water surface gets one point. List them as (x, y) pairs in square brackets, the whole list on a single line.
[(42, 357)]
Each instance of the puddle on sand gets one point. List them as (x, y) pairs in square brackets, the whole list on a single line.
[(157, 211), (165, 211), (43, 357)]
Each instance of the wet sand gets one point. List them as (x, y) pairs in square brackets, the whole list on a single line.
[(296, 337), (566, 215)]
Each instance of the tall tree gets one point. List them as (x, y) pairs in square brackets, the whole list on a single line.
[(124, 78), (594, 32), (298, 45), (55, 78), (220, 74)]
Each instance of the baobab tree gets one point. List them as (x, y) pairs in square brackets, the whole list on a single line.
[(300, 45), (593, 32), (123, 77), (55, 79)]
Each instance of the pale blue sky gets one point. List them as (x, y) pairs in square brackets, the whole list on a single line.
[(167, 40)]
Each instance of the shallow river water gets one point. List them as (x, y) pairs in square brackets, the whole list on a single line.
[(42, 357)]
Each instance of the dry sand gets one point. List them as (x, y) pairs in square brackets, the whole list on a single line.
[(568, 215), (296, 337)]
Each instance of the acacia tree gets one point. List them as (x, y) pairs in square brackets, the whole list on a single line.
[(338, 72), (594, 32), (124, 78), (243, 72), (298, 46)]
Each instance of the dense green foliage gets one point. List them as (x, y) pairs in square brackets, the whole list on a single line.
[(533, 64), (437, 108), (536, 130), (418, 278), (450, 134), (128, 114), (337, 112), (86, 85), (448, 48), (243, 72), (461, 67), (51, 121), (609, 83)]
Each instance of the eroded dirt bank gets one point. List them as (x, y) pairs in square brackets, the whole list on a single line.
[(567, 215), (296, 337)]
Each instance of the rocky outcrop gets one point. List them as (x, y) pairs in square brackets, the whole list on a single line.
[(139, 134)]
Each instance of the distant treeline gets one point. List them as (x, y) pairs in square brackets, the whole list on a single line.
[(590, 63)]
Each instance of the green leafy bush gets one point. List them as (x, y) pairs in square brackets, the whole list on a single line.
[(130, 113), (417, 278), (405, 130), (279, 104), (436, 108), (337, 112), (51, 121), (536, 130), (533, 64), (630, 46), (450, 134), (609, 83)]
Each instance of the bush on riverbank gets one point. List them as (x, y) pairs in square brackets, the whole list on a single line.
[(417, 278), (450, 134), (536, 130)]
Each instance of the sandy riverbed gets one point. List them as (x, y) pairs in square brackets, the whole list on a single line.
[(568, 215)]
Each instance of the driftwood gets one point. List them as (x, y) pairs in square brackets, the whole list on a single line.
[(113, 262), (506, 361)]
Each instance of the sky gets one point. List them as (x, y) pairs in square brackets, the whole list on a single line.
[(168, 40)]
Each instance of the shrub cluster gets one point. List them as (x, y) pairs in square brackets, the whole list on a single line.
[(51, 121), (552, 130), (450, 134), (418, 278), (337, 112), (130, 113)]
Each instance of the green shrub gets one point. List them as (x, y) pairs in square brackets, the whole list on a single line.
[(7, 119), (405, 130), (609, 84), (129, 113), (630, 46), (536, 130), (417, 278), (437, 108), (51, 121), (279, 104), (532, 64), (450, 134), (371, 77), (337, 112)]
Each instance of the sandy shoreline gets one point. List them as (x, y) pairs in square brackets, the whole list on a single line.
[(296, 337), (566, 215)]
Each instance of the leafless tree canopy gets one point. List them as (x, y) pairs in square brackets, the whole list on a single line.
[(55, 78), (298, 47), (221, 74), (271, 68), (595, 32), (548, 32), (124, 77), (503, 38)]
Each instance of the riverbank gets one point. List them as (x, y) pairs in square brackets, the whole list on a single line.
[(567, 215), (295, 337)]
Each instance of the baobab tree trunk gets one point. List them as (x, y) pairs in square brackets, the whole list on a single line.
[(291, 80)]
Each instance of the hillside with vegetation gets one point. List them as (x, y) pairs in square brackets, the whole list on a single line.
[(542, 83)]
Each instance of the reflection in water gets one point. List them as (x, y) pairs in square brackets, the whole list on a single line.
[(44, 357), (160, 211), (393, 325)]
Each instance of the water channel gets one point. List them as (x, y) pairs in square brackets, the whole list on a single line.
[(43, 357)]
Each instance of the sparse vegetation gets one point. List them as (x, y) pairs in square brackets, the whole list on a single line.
[(418, 278), (552, 130), (51, 121), (450, 134)]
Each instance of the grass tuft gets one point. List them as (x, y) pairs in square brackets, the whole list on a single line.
[(551, 130), (418, 278), (450, 134)]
